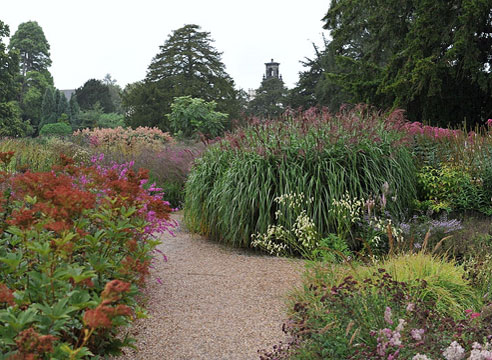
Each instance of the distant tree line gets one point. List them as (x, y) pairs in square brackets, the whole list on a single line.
[(432, 58), (28, 99)]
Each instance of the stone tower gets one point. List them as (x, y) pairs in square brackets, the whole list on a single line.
[(272, 70)]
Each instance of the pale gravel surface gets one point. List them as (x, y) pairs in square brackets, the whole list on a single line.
[(214, 302)]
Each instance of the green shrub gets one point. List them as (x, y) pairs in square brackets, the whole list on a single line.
[(454, 166), (56, 129), (75, 245), (450, 188), (231, 190)]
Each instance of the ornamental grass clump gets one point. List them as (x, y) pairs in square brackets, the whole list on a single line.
[(231, 189)]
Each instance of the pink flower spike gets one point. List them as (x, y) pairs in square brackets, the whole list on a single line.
[(489, 122), (468, 311), (474, 315), (387, 315)]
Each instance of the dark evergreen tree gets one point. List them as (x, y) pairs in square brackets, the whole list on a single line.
[(431, 57), (93, 92), (314, 87), (11, 123), (62, 106), (115, 92), (270, 99), (145, 105), (74, 112), (34, 77), (187, 64), (9, 67), (48, 108)]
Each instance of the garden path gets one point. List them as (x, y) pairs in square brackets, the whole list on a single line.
[(212, 302)]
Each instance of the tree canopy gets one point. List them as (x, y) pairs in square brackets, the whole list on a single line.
[(11, 123), (270, 98), (93, 92), (191, 116), (431, 57), (34, 77), (314, 87), (186, 65), (9, 67), (33, 47)]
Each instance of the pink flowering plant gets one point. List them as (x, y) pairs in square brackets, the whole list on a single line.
[(168, 161), (380, 318)]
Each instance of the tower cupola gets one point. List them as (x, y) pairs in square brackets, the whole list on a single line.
[(272, 70)]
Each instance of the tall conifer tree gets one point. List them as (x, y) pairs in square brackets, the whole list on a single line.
[(187, 64)]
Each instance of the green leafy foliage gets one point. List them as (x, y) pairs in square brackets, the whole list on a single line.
[(34, 87), (74, 244), (11, 123), (191, 116), (454, 169), (111, 120)]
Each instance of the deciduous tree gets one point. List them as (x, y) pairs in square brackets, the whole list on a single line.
[(191, 116)]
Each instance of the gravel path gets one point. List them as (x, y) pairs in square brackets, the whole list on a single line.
[(214, 302)]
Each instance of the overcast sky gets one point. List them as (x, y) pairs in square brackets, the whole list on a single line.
[(92, 38)]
